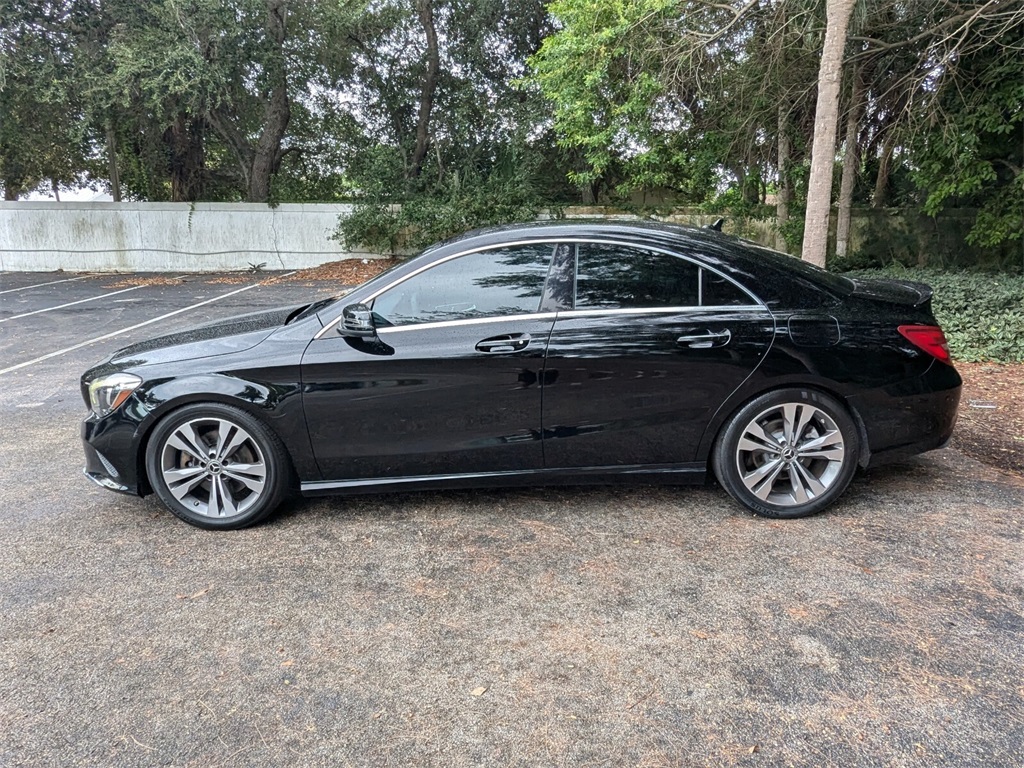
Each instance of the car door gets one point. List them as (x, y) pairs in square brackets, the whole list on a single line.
[(652, 347), (450, 384)]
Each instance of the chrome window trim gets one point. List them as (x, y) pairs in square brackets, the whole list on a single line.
[(562, 315), (570, 313), (575, 273), (387, 330), (757, 303)]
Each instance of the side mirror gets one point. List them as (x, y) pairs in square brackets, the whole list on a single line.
[(357, 322)]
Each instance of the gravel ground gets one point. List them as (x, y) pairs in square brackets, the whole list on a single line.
[(584, 627)]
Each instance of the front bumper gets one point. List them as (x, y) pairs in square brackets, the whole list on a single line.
[(110, 455)]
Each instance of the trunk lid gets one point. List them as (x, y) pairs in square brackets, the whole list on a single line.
[(891, 291)]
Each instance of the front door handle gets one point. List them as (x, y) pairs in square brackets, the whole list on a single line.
[(705, 340), (509, 342)]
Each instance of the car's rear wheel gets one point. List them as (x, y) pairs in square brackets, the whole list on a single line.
[(215, 466), (789, 453)]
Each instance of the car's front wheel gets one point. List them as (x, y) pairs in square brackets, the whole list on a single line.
[(215, 466), (789, 453)]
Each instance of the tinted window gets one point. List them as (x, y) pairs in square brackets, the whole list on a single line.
[(507, 281), (719, 292), (841, 285), (618, 277)]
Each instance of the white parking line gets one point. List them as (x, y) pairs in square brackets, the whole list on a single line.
[(112, 334), (70, 303), (81, 301), (52, 282)]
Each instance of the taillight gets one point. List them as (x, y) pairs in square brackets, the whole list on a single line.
[(928, 338)]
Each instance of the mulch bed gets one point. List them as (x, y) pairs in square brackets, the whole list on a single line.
[(991, 423), (346, 272)]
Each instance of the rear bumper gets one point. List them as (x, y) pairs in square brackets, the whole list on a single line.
[(910, 417)]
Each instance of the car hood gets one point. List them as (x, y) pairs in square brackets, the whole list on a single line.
[(234, 334)]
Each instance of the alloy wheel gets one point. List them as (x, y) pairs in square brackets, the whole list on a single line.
[(214, 467), (790, 454)]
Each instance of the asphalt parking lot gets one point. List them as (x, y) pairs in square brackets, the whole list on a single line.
[(582, 627)]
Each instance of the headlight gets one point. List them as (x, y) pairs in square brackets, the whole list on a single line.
[(108, 392)]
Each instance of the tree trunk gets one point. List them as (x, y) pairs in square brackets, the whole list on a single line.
[(276, 110), (258, 163), (878, 199), (115, 178), (10, 191), (826, 117), (752, 185), (785, 189), (56, 189), (851, 164), (185, 141), (426, 13)]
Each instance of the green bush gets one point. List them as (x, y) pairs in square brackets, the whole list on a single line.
[(981, 313), (458, 204)]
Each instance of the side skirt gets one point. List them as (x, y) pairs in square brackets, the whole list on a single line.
[(670, 474)]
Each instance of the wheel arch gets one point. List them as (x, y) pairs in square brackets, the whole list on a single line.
[(257, 400), (731, 407)]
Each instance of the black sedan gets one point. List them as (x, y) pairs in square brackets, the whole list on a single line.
[(535, 354)]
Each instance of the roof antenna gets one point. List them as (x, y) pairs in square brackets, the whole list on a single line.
[(716, 227)]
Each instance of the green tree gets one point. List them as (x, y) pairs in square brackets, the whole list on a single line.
[(448, 141), (973, 152), (42, 129)]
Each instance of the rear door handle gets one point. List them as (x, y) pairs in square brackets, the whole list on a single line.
[(509, 342), (705, 340)]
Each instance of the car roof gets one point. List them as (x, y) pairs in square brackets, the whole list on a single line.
[(576, 227), (777, 279)]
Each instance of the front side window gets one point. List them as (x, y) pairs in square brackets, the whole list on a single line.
[(621, 277), (493, 283)]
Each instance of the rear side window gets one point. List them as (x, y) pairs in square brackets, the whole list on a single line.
[(503, 281), (716, 291), (620, 277)]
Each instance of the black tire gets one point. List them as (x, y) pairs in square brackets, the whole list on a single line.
[(240, 478), (775, 473)]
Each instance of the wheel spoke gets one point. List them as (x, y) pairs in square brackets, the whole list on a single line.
[(186, 439), (762, 480), (790, 413), (810, 486), (799, 489), (806, 413), (181, 482), (252, 476), (232, 439), (756, 439), (227, 500), (213, 506), (831, 438), (835, 453)]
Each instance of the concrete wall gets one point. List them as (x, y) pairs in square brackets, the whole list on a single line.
[(163, 237), (178, 237), (205, 237)]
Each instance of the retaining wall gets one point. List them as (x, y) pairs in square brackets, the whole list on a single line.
[(161, 237), (207, 237)]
